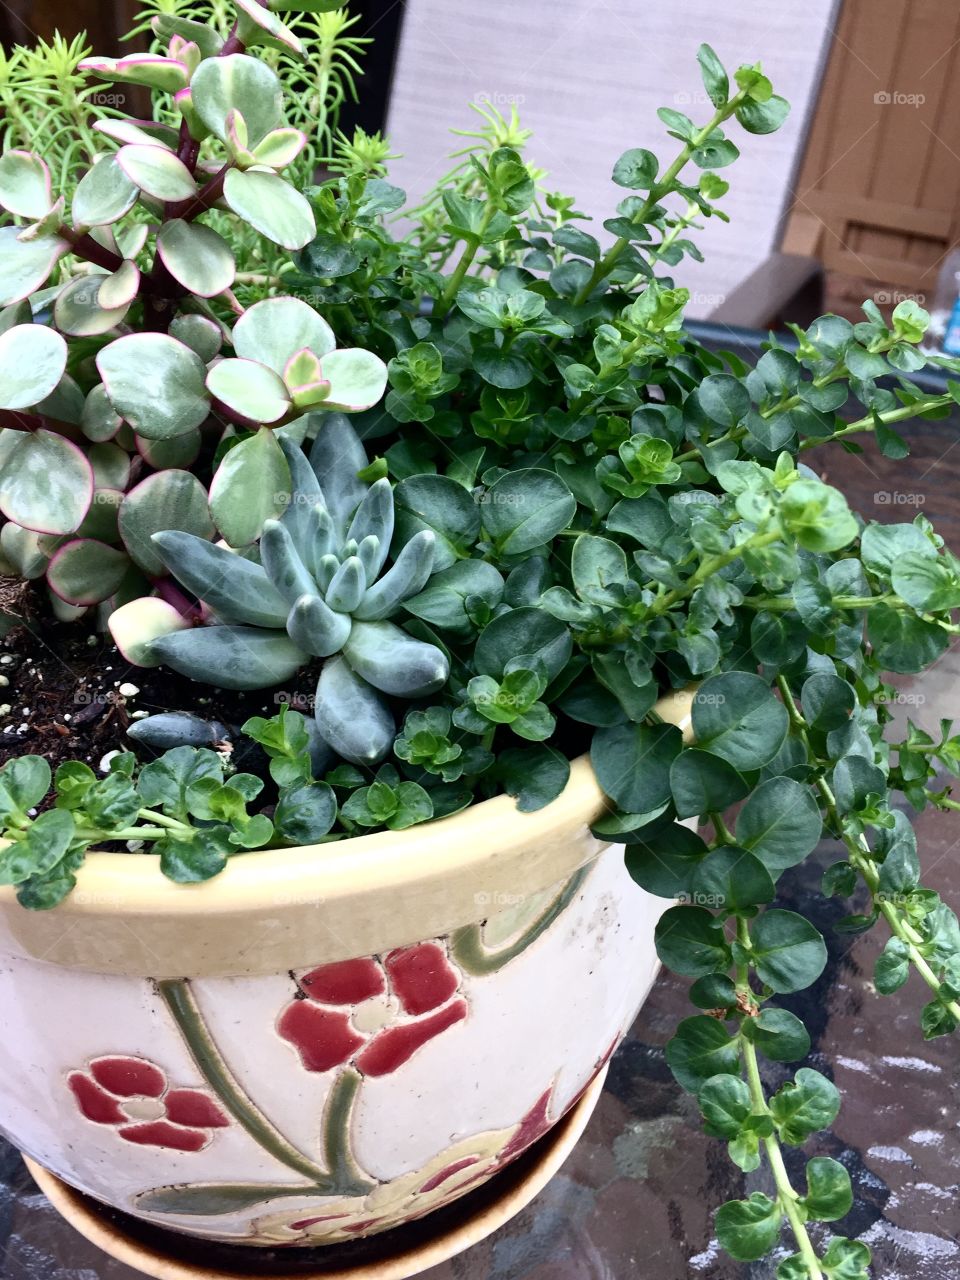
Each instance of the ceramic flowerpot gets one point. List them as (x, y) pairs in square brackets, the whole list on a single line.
[(323, 1042)]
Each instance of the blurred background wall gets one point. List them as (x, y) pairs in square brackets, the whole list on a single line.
[(588, 76)]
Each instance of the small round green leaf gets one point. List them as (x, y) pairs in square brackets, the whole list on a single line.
[(778, 1034), (702, 783), (690, 941), (780, 823), (725, 1103), (701, 1048), (749, 1229), (526, 509), (788, 951), (736, 716), (804, 1106), (632, 763), (526, 632), (440, 504), (730, 879), (829, 1192)]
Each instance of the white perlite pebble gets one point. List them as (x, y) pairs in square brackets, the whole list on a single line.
[(105, 760), (139, 715), (4, 681), (5, 709), (128, 690)]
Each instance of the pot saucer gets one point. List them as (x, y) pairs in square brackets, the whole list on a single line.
[(393, 1255)]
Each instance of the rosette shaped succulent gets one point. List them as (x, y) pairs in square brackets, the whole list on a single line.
[(322, 589)]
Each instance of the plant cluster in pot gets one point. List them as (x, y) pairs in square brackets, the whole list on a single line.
[(527, 582)]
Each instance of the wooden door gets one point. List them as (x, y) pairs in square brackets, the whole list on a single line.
[(878, 192)]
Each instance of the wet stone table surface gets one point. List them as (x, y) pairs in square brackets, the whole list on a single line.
[(634, 1199)]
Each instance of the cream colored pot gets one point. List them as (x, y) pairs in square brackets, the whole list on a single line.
[(328, 1041)]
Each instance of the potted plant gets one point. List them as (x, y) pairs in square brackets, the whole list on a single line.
[(357, 926)]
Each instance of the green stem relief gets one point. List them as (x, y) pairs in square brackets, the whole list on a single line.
[(180, 1000)]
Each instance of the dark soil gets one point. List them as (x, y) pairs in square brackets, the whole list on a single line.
[(66, 693)]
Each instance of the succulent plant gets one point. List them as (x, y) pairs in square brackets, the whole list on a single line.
[(130, 373), (317, 588)]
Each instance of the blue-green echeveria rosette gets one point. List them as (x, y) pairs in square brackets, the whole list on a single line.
[(317, 585)]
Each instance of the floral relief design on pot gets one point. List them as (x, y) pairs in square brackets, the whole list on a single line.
[(133, 1097), (363, 1017), (373, 1014), (413, 1195)]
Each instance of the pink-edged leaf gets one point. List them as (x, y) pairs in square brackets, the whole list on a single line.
[(32, 362), (46, 484), (120, 289), (25, 265), (196, 256), (25, 185), (150, 69), (86, 571), (148, 132), (279, 148), (157, 172), (357, 379)]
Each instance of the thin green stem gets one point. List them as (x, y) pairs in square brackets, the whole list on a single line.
[(786, 1195), (861, 858), (161, 820), (657, 192), (869, 421), (466, 261), (710, 567)]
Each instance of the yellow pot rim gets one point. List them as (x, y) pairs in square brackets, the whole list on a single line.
[(277, 909)]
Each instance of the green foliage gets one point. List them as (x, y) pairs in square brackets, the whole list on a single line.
[(584, 508)]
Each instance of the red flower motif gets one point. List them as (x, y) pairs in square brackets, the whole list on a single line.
[(371, 1013), (133, 1097)]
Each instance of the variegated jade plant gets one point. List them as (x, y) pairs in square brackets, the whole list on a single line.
[(136, 393), (572, 507)]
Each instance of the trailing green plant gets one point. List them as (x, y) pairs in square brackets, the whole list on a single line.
[(612, 510)]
